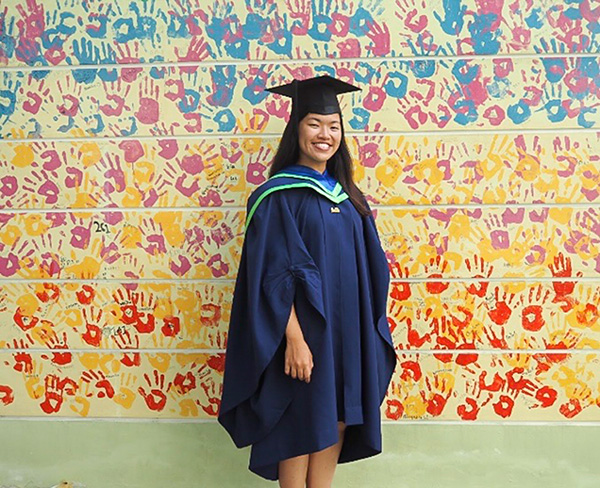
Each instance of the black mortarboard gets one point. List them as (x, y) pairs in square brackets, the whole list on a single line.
[(315, 95)]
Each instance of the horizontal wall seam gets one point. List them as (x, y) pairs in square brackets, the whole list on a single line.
[(460, 206), (511, 279), (37, 350), (462, 423), (10, 350), (287, 62), (272, 135)]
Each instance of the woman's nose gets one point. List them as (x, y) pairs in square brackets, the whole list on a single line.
[(324, 133)]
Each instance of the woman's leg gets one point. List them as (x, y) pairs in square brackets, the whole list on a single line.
[(322, 464), (292, 472)]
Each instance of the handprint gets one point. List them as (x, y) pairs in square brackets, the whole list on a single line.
[(483, 270), (52, 342), (7, 395), (100, 382), (155, 398), (408, 14), (55, 389), (438, 393), (531, 315), (561, 268), (211, 401), (125, 341), (23, 360), (154, 240), (440, 266), (93, 332), (501, 311), (125, 396), (380, 38), (136, 309)]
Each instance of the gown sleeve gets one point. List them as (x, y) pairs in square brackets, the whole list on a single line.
[(275, 270)]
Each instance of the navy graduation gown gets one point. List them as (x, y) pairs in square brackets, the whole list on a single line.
[(306, 243)]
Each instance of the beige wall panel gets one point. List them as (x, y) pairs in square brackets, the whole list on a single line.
[(496, 315), (509, 242), (155, 385), (467, 386), (87, 245), (475, 94), (412, 169), (520, 387), (422, 316), (41, 32), (115, 315)]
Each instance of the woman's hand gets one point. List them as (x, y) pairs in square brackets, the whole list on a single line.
[(298, 358)]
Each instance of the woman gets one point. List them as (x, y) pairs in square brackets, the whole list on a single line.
[(309, 352)]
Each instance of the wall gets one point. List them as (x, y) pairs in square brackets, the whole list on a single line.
[(132, 134)]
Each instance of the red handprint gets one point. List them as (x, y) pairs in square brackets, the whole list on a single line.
[(23, 360), (125, 341), (561, 268), (531, 315), (184, 383), (502, 310), (483, 270), (7, 395), (100, 382), (440, 265), (438, 395), (411, 371), (51, 340), (55, 389), (156, 399), (546, 396), (93, 333)]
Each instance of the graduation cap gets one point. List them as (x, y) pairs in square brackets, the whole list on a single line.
[(315, 95)]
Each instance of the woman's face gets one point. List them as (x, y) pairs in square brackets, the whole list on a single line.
[(319, 137)]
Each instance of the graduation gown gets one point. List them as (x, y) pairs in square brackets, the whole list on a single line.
[(306, 243)]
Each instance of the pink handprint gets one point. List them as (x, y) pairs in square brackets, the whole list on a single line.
[(380, 38), (408, 14), (197, 52)]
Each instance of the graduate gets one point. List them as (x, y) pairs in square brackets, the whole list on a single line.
[(309, 352)]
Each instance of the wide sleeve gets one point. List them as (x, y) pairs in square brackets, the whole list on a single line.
[(275, 270)]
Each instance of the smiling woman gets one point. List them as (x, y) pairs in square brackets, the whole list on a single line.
[(309, 350)]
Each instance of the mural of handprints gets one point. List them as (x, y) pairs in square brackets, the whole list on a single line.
[(41, 33), (132, 133), (397, 95), (393, 170)]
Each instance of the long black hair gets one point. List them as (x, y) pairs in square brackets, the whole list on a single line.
[(339, 166)]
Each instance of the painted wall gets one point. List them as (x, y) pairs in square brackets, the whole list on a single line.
[(132, 134)]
